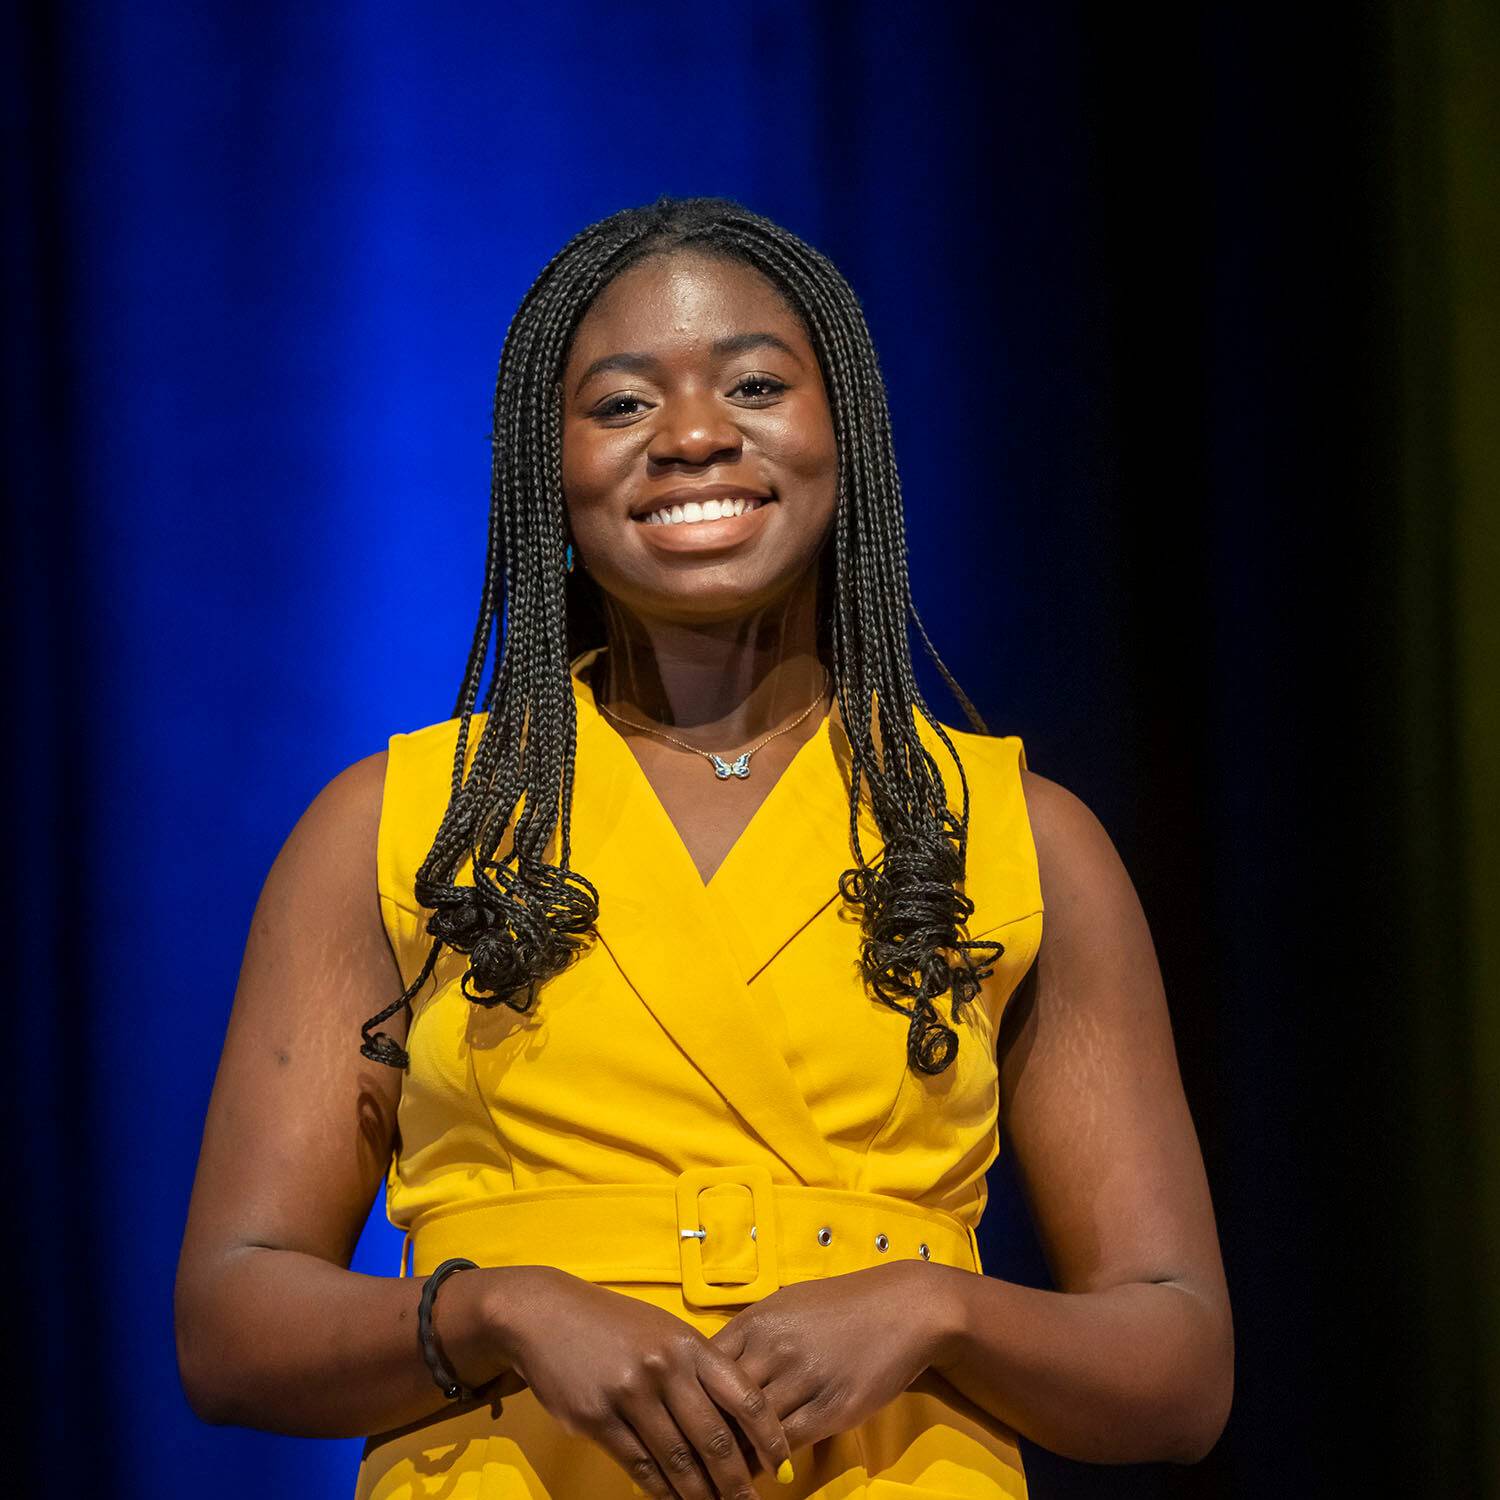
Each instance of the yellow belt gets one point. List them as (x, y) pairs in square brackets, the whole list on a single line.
[(728, 1235)]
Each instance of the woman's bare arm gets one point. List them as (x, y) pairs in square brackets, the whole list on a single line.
[(1132, 1359), (273, 1330)]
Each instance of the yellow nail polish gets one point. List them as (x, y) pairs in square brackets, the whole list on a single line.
[(784, 1474)]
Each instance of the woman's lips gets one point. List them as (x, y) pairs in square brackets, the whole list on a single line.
[(687, 536), (693, 507)]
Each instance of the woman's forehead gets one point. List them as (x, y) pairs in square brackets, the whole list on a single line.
[(684, 297)]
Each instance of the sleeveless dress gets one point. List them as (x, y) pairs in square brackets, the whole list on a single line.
[(706, 1105)]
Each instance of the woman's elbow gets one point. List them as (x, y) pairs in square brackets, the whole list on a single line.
[(201, 1361), (1205, 1406), (1203, 1428)]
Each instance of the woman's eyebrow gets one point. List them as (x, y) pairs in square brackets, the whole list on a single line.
[(645, 364), (634, 364), (741, 343)]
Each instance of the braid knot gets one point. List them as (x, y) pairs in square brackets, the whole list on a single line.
[(931, 1044), (912, 915)]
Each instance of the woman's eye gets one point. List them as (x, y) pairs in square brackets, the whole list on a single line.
[(756, 389), (759, 387), (619, 406)]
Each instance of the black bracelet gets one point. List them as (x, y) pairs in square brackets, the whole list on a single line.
[(450, 1387)]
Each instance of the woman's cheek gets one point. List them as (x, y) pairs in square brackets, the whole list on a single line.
[(592, 465), (806, 436)]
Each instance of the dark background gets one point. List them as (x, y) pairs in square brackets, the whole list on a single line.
[(1192, 333)]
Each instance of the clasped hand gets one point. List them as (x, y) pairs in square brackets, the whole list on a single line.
[(692, 1417), (830, 1353)]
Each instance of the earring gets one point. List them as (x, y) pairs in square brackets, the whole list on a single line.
[(569, 558)]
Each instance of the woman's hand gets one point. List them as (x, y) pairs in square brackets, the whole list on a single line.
[(830, 1353), (661, 1399)]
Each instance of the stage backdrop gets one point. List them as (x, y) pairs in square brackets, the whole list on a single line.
[(1190, 330)]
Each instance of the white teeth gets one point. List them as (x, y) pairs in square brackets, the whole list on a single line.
[(707, 510)]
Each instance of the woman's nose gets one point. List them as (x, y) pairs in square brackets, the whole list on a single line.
[(694, 430)]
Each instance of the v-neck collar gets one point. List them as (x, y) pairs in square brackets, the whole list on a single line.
[(795, 768), (785, 865), (691, 949)]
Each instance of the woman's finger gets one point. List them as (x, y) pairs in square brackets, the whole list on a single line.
[(812, 1415), (674, 1468), (730, 1339), (623, 1444), (746, 1404), (713, 1437), (791, 1389)]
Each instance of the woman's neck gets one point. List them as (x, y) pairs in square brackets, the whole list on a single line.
[(727, 682)]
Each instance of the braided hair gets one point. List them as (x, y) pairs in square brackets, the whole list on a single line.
[(522, 919)]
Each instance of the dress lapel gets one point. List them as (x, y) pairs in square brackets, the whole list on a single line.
[(657, 919), (785, 867)]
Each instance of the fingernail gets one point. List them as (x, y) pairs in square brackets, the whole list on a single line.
[(784, 1473)]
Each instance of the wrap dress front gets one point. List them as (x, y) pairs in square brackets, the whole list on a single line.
[(705, 1105)]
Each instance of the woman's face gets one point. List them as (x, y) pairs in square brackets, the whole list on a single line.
[(691, 382)]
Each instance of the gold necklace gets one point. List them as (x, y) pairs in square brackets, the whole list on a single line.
[(740, 765)]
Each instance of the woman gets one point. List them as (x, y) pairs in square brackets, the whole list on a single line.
[(714, 958)]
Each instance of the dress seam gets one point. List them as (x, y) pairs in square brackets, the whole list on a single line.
[(1008, 922), (407, 906)]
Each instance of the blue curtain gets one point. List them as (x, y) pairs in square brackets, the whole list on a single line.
[(259, 268)]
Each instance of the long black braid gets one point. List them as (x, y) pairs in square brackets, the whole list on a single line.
[(522, 919)]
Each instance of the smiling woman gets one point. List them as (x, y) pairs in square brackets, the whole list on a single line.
[(684, 355), (716, 961)]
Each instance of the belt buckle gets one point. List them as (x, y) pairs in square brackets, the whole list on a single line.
[(690, 1235)]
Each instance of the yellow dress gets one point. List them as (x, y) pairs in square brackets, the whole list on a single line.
[(712, 1061)]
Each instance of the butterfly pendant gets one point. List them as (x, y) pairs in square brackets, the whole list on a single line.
[(725, 769)]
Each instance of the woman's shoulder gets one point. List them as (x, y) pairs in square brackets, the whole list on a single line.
[(443, 734), (368, 818), (420, 761), (322, 874), (1073, 851), (1084, 882), (1063, 826), (986, 753), (347, 808), (1001, 865)]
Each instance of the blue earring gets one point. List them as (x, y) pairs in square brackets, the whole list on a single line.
[(570, 558)]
